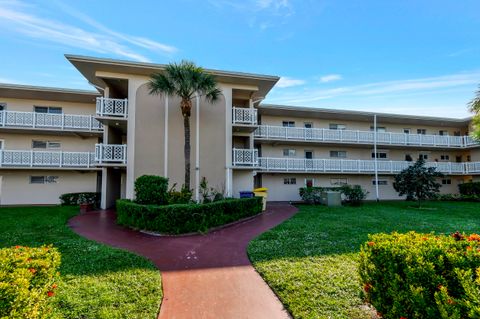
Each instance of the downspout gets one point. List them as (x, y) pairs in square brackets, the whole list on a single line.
[(197, 148)]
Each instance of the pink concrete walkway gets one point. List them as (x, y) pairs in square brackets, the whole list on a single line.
[(203, 276)]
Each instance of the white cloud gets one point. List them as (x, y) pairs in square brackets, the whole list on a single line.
[(286, 82), (276, 4), (330, 78), (15, 17)]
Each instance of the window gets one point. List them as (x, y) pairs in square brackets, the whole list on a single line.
[(407, 130), (469, 158), (338, 181), (43, 179), (442, 132), (421, 131), (3, 106), (338, 154), (446, 182), (288, 124), (45, 144), (289, 152), (48, 109), (408, 158), (380, 182), (308, 125), (290, 181), (423, 156), (444, 157), (337, 126), (381, 129), (309, 182), (380, 154)]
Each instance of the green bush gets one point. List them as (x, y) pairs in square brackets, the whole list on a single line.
[(458, 197), (73, 199), (185, 218), (312, 195), (354, 195), (422, 275), (27, 281), (469, 188), (184, 196), (151, 190)]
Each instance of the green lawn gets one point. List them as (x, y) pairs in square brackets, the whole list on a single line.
[(96, 281), (310, 261)]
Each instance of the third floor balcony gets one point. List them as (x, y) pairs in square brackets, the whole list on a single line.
[(244, 119), (109, 107), (299, 134)]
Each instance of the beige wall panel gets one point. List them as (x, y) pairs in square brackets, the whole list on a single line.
[(23, 105), (20, 141), (242, 181), (17, 190)]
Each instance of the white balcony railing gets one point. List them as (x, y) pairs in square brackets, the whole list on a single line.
[(112, 107), (245, 157), (360, 137), (111, 153), (46, 159), (356, 166), (245, 116), (49, 121)]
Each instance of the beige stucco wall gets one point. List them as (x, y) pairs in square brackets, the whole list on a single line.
[(242, 181), (23, 141), (25, 105), (17, 190)]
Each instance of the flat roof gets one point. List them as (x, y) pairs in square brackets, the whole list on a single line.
[(365, 116), (89, 65), (20, 91)]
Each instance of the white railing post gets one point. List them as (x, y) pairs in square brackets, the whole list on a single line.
[(31, 158)]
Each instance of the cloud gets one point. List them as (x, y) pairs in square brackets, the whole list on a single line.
[(428, 84), (286, 82), (16, 17), (330, 78)]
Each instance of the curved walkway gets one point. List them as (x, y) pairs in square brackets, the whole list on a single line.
[(206, 276)]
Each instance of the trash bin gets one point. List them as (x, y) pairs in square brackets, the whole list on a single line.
[(246, 194), (262, 192)]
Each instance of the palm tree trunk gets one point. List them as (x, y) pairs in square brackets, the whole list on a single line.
[(186, 150)]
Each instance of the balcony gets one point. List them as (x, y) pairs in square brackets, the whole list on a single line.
[(107, 107), (48, 121), (111, 154), (46, 159), (244, 158), (244, 119), (270, 164), (300, 134)]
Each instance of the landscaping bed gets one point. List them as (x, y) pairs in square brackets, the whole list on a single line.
[(311, 260), (96, 281)]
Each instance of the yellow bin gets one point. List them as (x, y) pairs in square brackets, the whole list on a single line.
[(262, 192)]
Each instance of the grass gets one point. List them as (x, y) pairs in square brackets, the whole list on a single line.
[(310, 261), (97, 281)]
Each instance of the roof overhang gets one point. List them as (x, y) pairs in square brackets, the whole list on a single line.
[(89, 67), (17, 91), (347, 115)]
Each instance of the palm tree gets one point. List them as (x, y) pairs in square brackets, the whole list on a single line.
[(185, 80), (474, 107)]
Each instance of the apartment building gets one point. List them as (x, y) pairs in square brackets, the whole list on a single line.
[(238, 143)]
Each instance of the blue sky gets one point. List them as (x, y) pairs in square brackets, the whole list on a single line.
[(405, 56)]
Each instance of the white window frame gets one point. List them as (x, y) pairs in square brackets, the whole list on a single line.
[(338, 181), (445, 158), (289, 152), (48, 145), (288, 123), (380, 129), (337, 127), (46, 179), (443, 133), (421, 131), (381, 182), (380, 152), (407, 131), (425, 156), (49, 108), (290, 181), (338, 153)]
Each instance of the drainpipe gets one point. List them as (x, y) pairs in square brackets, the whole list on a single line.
[(165, 151), (197, 148), (375, 152)]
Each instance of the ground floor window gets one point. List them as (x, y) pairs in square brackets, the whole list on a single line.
[(338, 181), (290, 181), (43, 179), (446, 181), (380, 182)]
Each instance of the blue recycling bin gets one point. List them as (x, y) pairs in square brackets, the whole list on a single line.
[(246, 194)]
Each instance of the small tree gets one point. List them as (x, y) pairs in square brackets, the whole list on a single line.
[(474, 107), (417, 182)]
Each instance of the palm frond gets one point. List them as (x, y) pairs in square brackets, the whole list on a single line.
[(474, 105)]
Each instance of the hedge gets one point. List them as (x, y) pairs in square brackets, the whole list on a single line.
[(469, 188), (185, 218), (27, 281), (71, 199), (422, 275), (151, 189)]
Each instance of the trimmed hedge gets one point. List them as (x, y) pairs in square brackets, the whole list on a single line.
[(422, 275), (469, 188), (151, 189), (27, 281), (185, 218), (312, 195), (73, 199)]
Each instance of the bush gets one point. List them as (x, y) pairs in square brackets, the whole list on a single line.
[(422, 276), (469, 188), (458, 198), (185, 218), (27, 281), (184, 196), (72, 199), (354, 195), (151, 190), (312, 195)]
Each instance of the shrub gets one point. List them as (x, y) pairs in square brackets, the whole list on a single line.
[(27, 281), (458, 197), (312, 195), (151, 190), (184, 196), (354, 195), (422, 276), (71, 199), (185, 218), (469, 188)]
